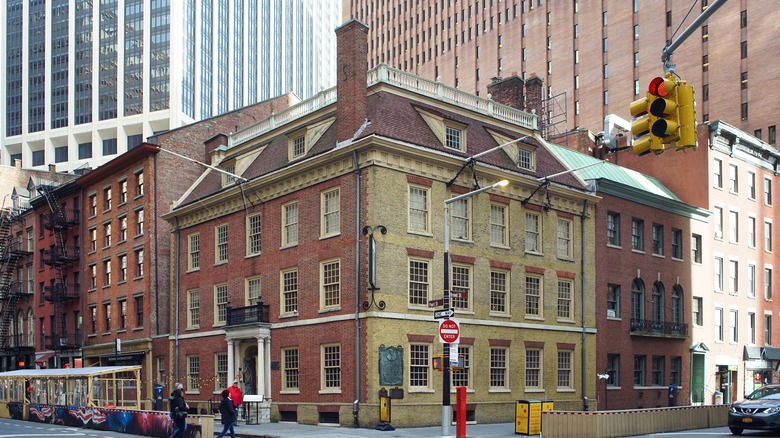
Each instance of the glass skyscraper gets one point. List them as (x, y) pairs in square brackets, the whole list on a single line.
[(88, 79)]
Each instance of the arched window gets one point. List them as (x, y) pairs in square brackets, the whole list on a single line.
[(30, 329), (638, 299), (677, 304), (658, 301)]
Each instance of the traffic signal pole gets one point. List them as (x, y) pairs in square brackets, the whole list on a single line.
[(666, 53)]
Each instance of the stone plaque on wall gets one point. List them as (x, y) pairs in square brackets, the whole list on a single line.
[(391, 365)]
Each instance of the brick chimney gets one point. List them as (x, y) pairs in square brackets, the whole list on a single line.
[(352, 74), (215, 148), (507, 91), (534, 92)]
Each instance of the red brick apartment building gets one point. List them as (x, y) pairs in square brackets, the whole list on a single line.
[(600, 54), (644, 287), (272, 277)]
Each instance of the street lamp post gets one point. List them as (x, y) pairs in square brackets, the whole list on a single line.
[(445, 397)]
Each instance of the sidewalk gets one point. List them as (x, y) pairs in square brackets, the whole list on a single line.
[(289, 430)]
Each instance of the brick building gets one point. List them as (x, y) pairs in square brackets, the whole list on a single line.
[(276, 287), (596, 57), (644, 287)]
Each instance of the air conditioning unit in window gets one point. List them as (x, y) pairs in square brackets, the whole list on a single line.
[(610, 313), (63, 342)]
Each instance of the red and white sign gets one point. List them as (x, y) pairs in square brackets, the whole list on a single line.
[(449, 331)]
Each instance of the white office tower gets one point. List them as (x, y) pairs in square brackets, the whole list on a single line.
[(85, 80)]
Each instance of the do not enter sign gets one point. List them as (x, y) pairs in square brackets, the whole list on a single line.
[(449, 331)]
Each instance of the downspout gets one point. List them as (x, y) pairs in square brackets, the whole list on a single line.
[(176, 306), (582, 307), (82, 239), (358, 362), (154, 250)]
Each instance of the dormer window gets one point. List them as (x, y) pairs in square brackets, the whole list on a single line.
[(228, 177), (302, 139), (454, 137), (526, 158), (298, 146)]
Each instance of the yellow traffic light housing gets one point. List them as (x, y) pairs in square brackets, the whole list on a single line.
[(686, 108), (437, 362), (642, 141), (663, 106)]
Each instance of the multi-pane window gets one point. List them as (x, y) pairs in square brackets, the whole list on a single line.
[(221, 370), (613, 300), (290, 370), (331, 367), (719, 324), (767, 236), (253, 235), (733, 178), (613, 229), (696, 249), (733, 227), (498, 368), (290, 224), (290, 291), (418, 209), (107, 317), (718, 173), (220, 303), (122, 191), (419, 282), (718, 268), (532, 232), (637, 299), (122, 267), (122, 314), (106, 273), (639, 370), (139, 222), (193, 252), (658, 239), (193, 308), (92, 276), (768, 283), (122, 228), (462, 376), (751, 280), (498, 225), (139, 184), (331, 284), (675, 370), (768, 329), (564, 238), (193, 373), (221, 243), (533, 368), (460, 283), (613, 369), (106, 234), (564, 299), (733, 276), (658, 301), (698, 316), (453, 137), (498, 291), (92, 239), (565, 369), (733, 325), (658, 370), (752, 327), (461, 225), (253, 291), (677, 250), (751, 183), (419, 366), (93, 319), (107, 199), (331, 212), (139, 310), (767, 191), (525, 159), (751, 230), (677, 304), (637, 234), (298, 146), (92, 205), (533, 295)]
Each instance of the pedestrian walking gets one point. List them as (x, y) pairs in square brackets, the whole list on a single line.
[(238, 398), (178, 411), (228, 414)]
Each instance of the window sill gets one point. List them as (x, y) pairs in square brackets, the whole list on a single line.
[(534, 317), (290, 392), (420, 233), (223, 262), (610, 245), (330, 309), (331, 235), (499, 391), (421, 391), (638, 251), (329, 391), (500, 315), (288, 315), (499, 246), (249, 256), (534, 253)]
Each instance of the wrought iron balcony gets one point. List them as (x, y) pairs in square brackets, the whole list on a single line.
[(658, 328), (61, 256), (18, 342), (20, 288), (64, 341), (61, 291), (61, 220), (248, 315)]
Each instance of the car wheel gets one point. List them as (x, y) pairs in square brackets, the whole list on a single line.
[(735, 430)]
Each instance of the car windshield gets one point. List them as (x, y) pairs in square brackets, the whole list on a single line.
[(765, 393)]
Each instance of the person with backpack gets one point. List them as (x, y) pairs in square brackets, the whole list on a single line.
[(228, 414), (178, 412)]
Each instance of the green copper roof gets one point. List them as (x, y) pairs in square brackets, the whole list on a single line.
[(610, 172)]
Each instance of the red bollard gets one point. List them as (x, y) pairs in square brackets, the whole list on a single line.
[(460, 421)]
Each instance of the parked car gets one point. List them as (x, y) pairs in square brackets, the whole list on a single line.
[(760, 410)]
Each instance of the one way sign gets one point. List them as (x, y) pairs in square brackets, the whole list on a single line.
[(446, 313)]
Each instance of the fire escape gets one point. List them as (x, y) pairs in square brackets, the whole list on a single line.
[(12, 256), (62, 258)]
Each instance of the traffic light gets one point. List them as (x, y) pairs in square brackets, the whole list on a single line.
[(642, 141), (686, 109), (663, 105), (438, 361)]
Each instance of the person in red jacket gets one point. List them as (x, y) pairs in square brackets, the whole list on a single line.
[(237, 397)]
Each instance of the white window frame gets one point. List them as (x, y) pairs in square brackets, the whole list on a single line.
[(565, 370), (533, 235), (290, 221), (291, 370), (193, 309), (253, 288), (221, 239), (330, 212), (330, 284), (499, 292), (564, 238), (534, 280), (420, 367), (534, 367), (419, 210), (330, 364), (193, 252), (498, 378), (417, 280), (220, 304), (565, 307), (254, 225), (460, 220), (499, 231), (288, 291), (457, 282)]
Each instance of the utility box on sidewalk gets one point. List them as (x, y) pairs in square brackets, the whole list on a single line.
[(528, 415)]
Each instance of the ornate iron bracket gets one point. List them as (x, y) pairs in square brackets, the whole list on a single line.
[(369, 231)]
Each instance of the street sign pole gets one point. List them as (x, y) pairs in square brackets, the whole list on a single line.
[(445, 391)]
